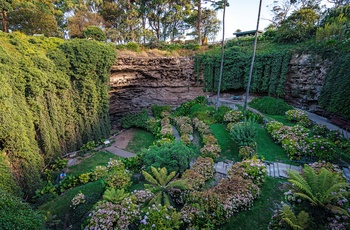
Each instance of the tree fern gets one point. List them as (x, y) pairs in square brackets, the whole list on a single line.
[(115, 196), (322, 190), (160, 184), (299, 222)]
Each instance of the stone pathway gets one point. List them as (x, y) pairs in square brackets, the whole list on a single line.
[(119, 152), (176, 133)]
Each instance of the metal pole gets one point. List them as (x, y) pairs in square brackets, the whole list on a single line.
[(252, 63), (222, 56)]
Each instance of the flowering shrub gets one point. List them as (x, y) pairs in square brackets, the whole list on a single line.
[(107, 215), (320, 147), (204, 166), (117, 177), (194, 179), (317, 166), (160, 217), (253, 169), (319, 129), (141, 196), (184, 125), (334, 135), (166, 130), (202, 128), (217, 204), (100, 171), (246, 152), (299, 116), (295, 115), (211, 147), (273, 126), (78, 199), (292, 139), (233, 116)]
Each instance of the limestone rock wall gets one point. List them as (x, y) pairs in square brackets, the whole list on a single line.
[(305, 79), (139, 82)]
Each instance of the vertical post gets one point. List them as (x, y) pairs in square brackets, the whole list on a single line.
[(252, 63), (222, 56)]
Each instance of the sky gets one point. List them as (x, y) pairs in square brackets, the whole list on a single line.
[(242, 14)]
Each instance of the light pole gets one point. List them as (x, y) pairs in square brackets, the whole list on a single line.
[(252, 63), (222, 55)]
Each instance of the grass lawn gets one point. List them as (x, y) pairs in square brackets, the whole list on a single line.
[(229, 149), (60, 206), (141, 139), (88, 164), (260, 214), (279, 118), (267, 148)]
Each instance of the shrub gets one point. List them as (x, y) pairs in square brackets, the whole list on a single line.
[(132, 46), (157, 110), (204, 166), (194, 179), (219, 115), (107, 215), (319, 147), (233, 116), (85, 177), (244, 133), (15, 214), (78, 199), (139, 120), (319, 129), (246, 152), (253, 169), (117, 177), (299, 116), (270, 105), (256, 117), (160, 217), (174, 156), (211, 147)]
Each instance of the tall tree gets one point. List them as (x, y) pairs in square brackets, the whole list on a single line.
[(34, 17), (81, 20), (280, 11)]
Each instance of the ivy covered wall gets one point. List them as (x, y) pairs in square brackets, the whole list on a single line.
[(269, 73), (53, 98)]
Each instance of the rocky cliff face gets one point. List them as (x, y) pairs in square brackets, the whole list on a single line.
[(306, 76), (137, 83), (140, 82)]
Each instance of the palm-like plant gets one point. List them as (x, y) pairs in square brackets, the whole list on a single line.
[(161, 183), (298, 222), (115, 195), (321, 190)]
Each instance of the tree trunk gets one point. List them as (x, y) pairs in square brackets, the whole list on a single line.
[(199, 22), (4, 21)]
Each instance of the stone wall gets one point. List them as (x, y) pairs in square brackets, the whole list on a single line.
[(139, 82), (305, 79)]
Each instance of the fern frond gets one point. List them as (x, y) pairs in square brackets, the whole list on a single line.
[(337, 209), (180, 184), (150, 178), (166, 199), (156, 175)]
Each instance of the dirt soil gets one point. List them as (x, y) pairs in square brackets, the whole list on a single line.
[(123, 138)]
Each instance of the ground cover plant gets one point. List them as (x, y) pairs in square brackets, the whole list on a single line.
[(141, 139)]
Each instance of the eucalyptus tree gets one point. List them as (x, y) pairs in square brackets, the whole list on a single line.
[(33, 17), (210, 24)]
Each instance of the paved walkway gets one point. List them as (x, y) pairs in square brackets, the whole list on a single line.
[(119, 152)]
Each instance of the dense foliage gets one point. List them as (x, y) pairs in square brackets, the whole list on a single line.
[(269, 105), (269, 73), (15, 214), (54, 98)]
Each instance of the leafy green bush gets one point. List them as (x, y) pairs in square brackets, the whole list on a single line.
[(157, 110), (7, 183), (270, 105), (174, 156), (139, 120), (244, 133), (15, 214), (94, 32), (185, 108)]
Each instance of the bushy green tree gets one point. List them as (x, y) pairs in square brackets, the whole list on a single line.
[(299, 26), (95, 33), (174, 156)]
